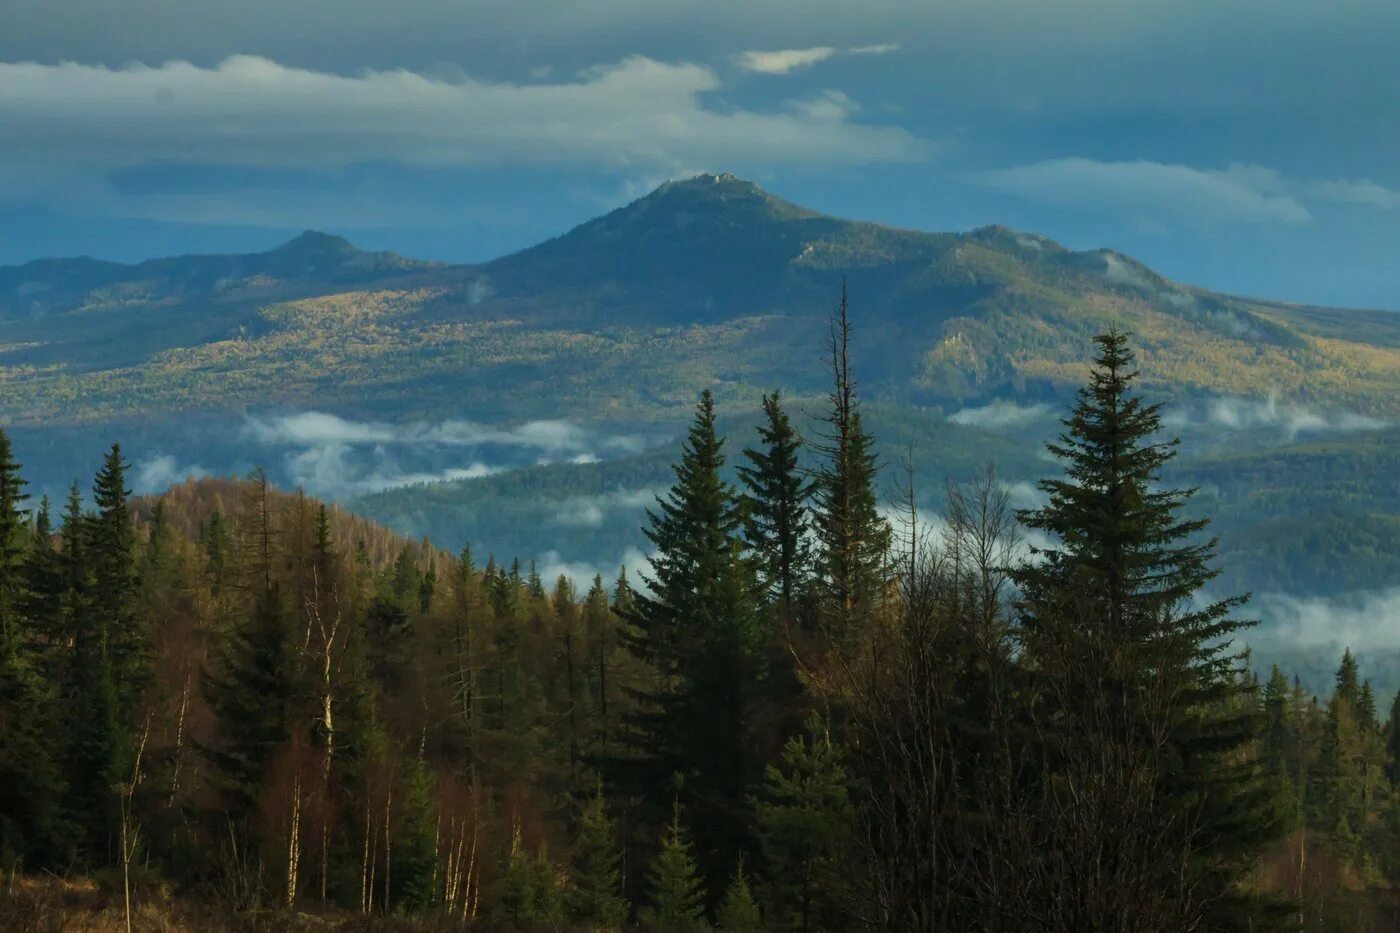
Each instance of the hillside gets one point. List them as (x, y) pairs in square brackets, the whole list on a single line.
[(709, 281)]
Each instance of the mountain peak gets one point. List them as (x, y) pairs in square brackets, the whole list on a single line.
[(723, 191), (316, 243)]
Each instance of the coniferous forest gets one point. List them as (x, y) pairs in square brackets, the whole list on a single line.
[(233, 707)]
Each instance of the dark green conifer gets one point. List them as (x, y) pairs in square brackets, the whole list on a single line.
[(595, 896), (676, 892), (1138, 670), (853, 539), (776, 517), (699, 631)]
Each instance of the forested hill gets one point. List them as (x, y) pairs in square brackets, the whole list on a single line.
[(705, 282), (226, 705)]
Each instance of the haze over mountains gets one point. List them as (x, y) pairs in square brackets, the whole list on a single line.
[(544, 388)]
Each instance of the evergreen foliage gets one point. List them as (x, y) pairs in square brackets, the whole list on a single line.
[(673, 881)]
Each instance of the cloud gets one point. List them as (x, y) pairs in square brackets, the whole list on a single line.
[(254, 112), (1364, 621), (1154, 190), (159, 472), (1290, 419), (783, 61), (335, 471), (1365, 193), (341, 458), (591, 511), (552, 565), (1001, 415), (314, 428)]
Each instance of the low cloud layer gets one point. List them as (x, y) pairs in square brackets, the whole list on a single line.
[(1289, 419), (1367, 621), (552, 437), (341, 457), (1001, 415), (159, 472), (593, 511), (551, 566)]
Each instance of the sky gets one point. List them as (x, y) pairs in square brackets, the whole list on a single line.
[(1251, 146)]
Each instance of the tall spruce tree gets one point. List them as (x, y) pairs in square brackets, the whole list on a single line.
[(1135, 669), (776, 517), (699, 631), (1392, 743), (30, 817), (113, 553), (853, 539)]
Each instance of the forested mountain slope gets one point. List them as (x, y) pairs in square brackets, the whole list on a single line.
[(705, 282)]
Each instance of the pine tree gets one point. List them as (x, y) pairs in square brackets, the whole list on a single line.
[(1392, 743), (113, 554), (805, 825), (701, 634), (853, 539), (677, 894), (1348, 680), (97, 740), (528, 895), (31, 831), (624, 600), (595, 896), (1139, 672), (250, 690), (776, 519), (739, 912), (415, 844)]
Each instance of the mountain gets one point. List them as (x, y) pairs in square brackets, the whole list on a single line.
[(707, 281), (368, 376), (311, 262)]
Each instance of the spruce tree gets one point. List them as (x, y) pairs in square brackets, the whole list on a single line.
[(676, 891), (776, 517), (805, 825), (739, 912), (1135, 668), (853, 539), (250, 689), (699, 631), (31, 833), (595, 896), (97, 739), (1392, 743), (113, 554)]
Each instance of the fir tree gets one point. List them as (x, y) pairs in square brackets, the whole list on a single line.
[(739, 912), (250, 689), (700, 632), (113, 555), (30, 819), (528, 895), (776, 519), (676, 892), (805, 826), (97, 739), (595, 896), (853, 539), (624, 600), (1392, 743), (415, 845), (1140, 671)]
